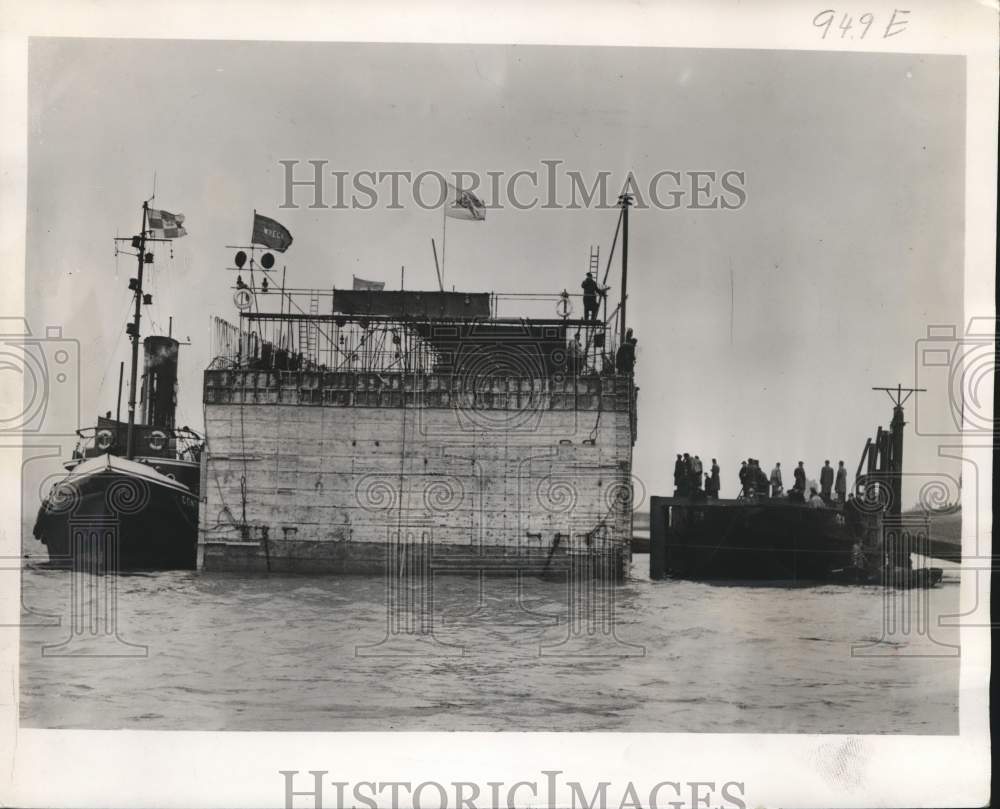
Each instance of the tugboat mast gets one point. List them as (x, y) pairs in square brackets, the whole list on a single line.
[(133, 330)]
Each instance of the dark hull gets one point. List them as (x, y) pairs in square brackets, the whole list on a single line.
[(737, 541), (118, 521)]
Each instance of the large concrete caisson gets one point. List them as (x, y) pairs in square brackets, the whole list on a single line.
[(465, 445)]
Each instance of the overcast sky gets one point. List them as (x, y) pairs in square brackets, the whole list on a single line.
[(849, 245)]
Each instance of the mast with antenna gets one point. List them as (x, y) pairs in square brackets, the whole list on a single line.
[(894, 467), (139, 242), (133, 331)]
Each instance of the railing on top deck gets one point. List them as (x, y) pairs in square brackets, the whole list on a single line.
[(292, 342), (310, 301)]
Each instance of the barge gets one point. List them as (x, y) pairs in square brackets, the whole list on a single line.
[(866, 539)]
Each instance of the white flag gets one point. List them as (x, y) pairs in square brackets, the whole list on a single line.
[(370, 286), (464, 205)]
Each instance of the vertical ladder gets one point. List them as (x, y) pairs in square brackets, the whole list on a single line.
[(303, 336), (595, 267), (308, 329), (312, 332)]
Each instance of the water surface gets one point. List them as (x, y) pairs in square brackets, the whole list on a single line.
[(227, 652)]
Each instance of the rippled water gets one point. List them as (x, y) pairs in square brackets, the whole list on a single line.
[(302, 653)]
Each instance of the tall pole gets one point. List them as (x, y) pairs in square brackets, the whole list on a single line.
[(896, 460), (121, 377), (281, 309), (129, 435), (894, 442), (437, 267), (118, 410), (625, 200), (444, 243)]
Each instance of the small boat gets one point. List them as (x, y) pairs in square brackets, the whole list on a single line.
[(129, 500), (119, 515)]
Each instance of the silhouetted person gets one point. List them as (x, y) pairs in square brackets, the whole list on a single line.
[(800, 478), (625, 358), (678, 473), (760, 478), (743, 477), (685, 488), (751, 476), (716, 480), (815, 501), (696, 472), (577, 356), (841, 486), (689, 466), (592, 293), (826, 480), (777, 486)]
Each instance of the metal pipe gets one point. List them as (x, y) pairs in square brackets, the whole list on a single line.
[(118, 410), (626, 201)]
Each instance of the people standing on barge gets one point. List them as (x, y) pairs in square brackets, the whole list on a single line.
[(716, 480), (841, 486), (678, 474), (826, 480), (777, 486), (815, 501), (800, 478), (760, 479), (696, 472), (684, 488), (743, 478)]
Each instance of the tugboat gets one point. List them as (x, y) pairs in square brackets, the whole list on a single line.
[(130, 498)]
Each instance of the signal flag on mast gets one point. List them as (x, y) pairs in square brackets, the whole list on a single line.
[(166, 225), (270, 233)]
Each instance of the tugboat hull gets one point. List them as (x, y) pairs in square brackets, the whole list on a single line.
[(112, 514)]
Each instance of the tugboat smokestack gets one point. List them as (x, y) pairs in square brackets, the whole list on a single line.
[(159, 381)]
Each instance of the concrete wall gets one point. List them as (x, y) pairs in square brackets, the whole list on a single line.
[(334, 462)]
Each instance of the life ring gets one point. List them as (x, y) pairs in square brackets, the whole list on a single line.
[(242, 299), (104, 439), (157, 439)]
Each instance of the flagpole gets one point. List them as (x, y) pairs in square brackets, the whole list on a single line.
[(444, 240), (281, 323)]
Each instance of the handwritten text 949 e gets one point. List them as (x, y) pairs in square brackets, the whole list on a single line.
[(858, 29)]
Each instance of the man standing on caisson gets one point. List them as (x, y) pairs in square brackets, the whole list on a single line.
[(592, 294)]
